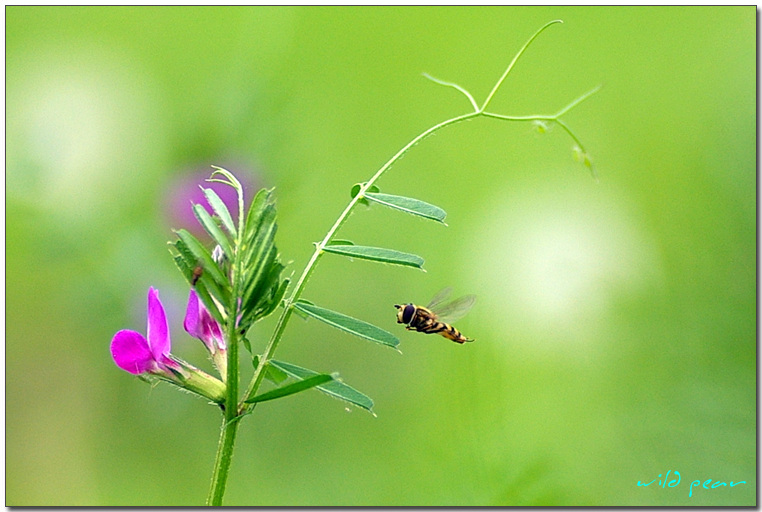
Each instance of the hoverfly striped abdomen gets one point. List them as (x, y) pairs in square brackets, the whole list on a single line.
[(427, 321)]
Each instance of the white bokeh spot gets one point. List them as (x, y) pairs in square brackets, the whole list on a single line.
[(555, 261)]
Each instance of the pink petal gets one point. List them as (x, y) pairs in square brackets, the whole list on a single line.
[(191, 322), (200, 324), (131, 352), (158, 329), (213, 330)]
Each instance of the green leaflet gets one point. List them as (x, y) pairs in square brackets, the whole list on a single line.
[(203, 256), (334, 388), (409, 205), (259, 235), (290, 389), (213, 229), (260, 265), (265, 298), (348, 324), (261, 282), (377, 254), (220, 209), (277, 297), (258, 205)]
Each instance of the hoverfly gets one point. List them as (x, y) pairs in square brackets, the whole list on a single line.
[(432, 318)]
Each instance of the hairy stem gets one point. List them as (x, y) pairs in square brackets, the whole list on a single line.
[(222, 462), (230, 418)]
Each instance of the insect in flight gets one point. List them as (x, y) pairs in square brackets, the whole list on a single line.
[(432, 319)]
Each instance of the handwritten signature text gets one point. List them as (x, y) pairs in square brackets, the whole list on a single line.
[(699, 484)]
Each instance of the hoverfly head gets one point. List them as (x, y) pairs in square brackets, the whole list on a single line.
[(405, 313)]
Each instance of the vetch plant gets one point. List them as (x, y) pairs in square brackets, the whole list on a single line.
[(240, 281)]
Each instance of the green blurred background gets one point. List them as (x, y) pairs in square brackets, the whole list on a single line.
[(616, 319)]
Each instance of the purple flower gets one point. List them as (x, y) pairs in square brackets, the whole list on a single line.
[(137, 354), (200, 324), (150, 355)]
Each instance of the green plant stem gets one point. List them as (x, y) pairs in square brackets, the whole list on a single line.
[(222, 462), (231, 412), (231, 416)]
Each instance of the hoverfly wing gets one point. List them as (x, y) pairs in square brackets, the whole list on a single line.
[(440, 297), (455, 310)]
